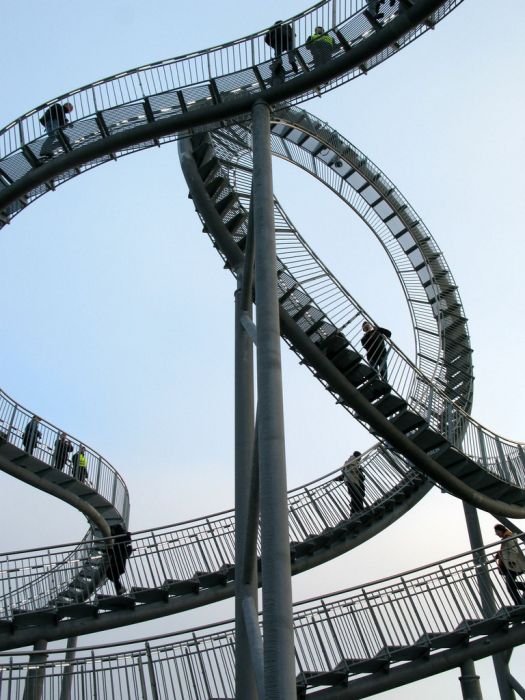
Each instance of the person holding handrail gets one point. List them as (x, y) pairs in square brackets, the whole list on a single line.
[(63, 447), (353, 476), (280, 37), (373, 341), (54, 118), (118, 552), (511, 562)]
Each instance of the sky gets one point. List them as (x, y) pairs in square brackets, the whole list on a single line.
[(117, 315)]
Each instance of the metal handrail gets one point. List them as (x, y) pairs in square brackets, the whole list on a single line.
[(103, 477), (434, 606), (502, 458), (204, 545), (228, 68)]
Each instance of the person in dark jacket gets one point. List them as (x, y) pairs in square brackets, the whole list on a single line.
[(31, 435), (54, 118), (376, 6), (373, 341), (62, 449), (118, 554), (280, 37)]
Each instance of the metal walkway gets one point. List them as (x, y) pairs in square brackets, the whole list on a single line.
[(345, 642), (350, 644)]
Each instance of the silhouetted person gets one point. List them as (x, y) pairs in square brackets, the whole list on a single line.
[(54, 118), (63, 447), (373, 341), (280, 37), (119, 551), (376, 5), (353, 475), (511, 562), (31, 435), (80, 463)]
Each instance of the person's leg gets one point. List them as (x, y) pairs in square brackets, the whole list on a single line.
[(510, 580), (51, 142)]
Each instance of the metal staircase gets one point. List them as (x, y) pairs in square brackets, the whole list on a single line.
[(156, 103), (466, 458), (349, 644), (173, 568)]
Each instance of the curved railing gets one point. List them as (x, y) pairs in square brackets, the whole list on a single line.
[(43, 578), (447, 606), (101, 476), (447, 424), (223, 74), (430, 291)]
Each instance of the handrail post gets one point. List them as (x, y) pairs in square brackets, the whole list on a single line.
[(279, 664), (151, 670), (11, 422)]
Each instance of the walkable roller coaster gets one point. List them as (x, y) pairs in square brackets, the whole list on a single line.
[(230, 116)]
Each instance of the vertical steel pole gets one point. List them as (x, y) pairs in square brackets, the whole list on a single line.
[(245, 684), (36, 675), (470, 687), (67, 675), (279, 674), (501, 668)]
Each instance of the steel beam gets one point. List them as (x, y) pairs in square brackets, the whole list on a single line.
[(245, 528), (279, 675)]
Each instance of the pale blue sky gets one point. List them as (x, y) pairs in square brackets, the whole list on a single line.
[(117, 316)]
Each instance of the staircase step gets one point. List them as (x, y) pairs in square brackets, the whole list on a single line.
[(149, 595), (34, 618), (390, 404), (407, 421), (315, 678), (175, 587), (115, 602), (77, 611)]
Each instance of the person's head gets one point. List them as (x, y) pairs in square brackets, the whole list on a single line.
[(81, 448), (319, 30), (367, 327), (68, 107), (279, 21), (357, 454), (117, 529), (501, 530)]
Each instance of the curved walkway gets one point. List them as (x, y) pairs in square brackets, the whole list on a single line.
[(178, 567), (153, 104), (410, 411), (349, 644)]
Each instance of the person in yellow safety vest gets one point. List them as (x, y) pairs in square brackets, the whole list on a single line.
[(79, 462), (320, 44)]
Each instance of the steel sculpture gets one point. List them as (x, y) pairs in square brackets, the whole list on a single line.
[(421, 413)]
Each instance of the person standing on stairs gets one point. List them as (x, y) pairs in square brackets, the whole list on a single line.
[(511, 562)]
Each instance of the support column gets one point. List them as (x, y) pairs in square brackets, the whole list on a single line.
[(470, 687), (279, 675), (36, 675), (245, 524), (67, 676), (501, 668)]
